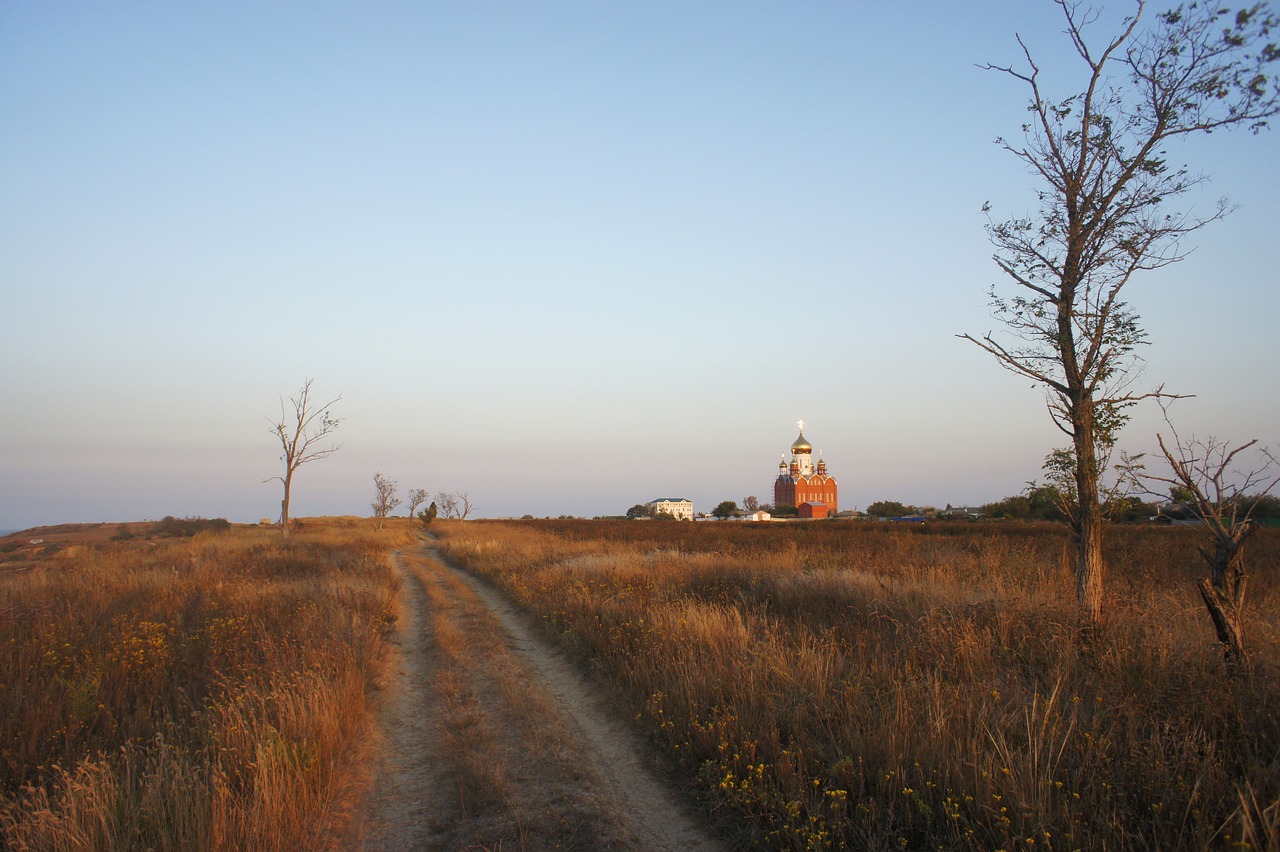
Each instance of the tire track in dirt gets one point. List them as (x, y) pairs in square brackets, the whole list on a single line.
[(401, 810), (492, 740)]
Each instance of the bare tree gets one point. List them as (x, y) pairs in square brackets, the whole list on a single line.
[(1105, 185), (465, 506), (417, 497), (448, 505), (301, 431), (385, 498), (1224, 496)]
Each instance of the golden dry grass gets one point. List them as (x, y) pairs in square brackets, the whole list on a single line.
[(189, 693), (867, 686)]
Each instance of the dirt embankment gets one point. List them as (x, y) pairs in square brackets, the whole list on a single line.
[(491, 740)]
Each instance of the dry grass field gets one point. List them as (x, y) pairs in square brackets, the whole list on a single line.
[(172, 692), (821, 685), (875, 686)]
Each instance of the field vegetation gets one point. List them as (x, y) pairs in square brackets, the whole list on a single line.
[(189, 685), (876, 686)]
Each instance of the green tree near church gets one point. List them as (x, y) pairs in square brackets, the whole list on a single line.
[(725, 510)]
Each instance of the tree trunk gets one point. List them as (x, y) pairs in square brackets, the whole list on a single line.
[(1089, 565), (1227, 623), (1088, 522), (1223, 594), (284, 504)]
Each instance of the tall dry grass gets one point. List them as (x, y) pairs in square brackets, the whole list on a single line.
[(190, 693), (867, 686)]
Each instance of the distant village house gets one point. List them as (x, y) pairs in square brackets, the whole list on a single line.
[(677, 507)]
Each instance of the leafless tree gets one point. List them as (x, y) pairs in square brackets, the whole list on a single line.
[(417, 497), (448, 505), (1224, 494), (385, 498), (465, 506), (1105, 189), (301, 431)]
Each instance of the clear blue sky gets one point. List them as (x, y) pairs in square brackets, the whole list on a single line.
[(566, 257)]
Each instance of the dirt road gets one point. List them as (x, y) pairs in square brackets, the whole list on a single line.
[(491, 740)]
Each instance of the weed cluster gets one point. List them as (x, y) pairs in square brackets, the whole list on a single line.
[(870, 687)]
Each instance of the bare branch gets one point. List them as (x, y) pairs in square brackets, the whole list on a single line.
[(417, 497), (299, 432), (385, 498), (448, 505), (1105, 192)]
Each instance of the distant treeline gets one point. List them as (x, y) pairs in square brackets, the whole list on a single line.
[(187, 527)]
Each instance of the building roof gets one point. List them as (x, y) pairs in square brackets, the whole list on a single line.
[(671, 500), (819, 478)]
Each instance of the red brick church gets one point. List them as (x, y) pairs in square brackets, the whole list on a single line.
[(810, 489)]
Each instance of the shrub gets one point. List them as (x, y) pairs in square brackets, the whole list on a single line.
[(188, 527)]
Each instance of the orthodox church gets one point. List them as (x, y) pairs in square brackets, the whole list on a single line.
[(810, 489)]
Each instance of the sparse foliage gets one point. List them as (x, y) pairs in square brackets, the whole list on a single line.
[(1059, 499), (302, 431), (384, 499), (1106, 185), (448, 505), (751, 504), (417, 497)]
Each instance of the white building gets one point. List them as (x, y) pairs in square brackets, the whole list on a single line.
[(678, 507)]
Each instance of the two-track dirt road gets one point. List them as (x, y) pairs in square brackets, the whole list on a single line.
[(491, 740)]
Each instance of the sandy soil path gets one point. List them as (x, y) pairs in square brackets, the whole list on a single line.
[(491, 740)]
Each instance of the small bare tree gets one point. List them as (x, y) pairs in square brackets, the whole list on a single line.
[(448, 505), (1224, 495), (465, 506), (385, 498), (417, 497), (301, 431)]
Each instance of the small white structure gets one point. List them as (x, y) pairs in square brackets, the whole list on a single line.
[(759, 516), (677, 507)]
